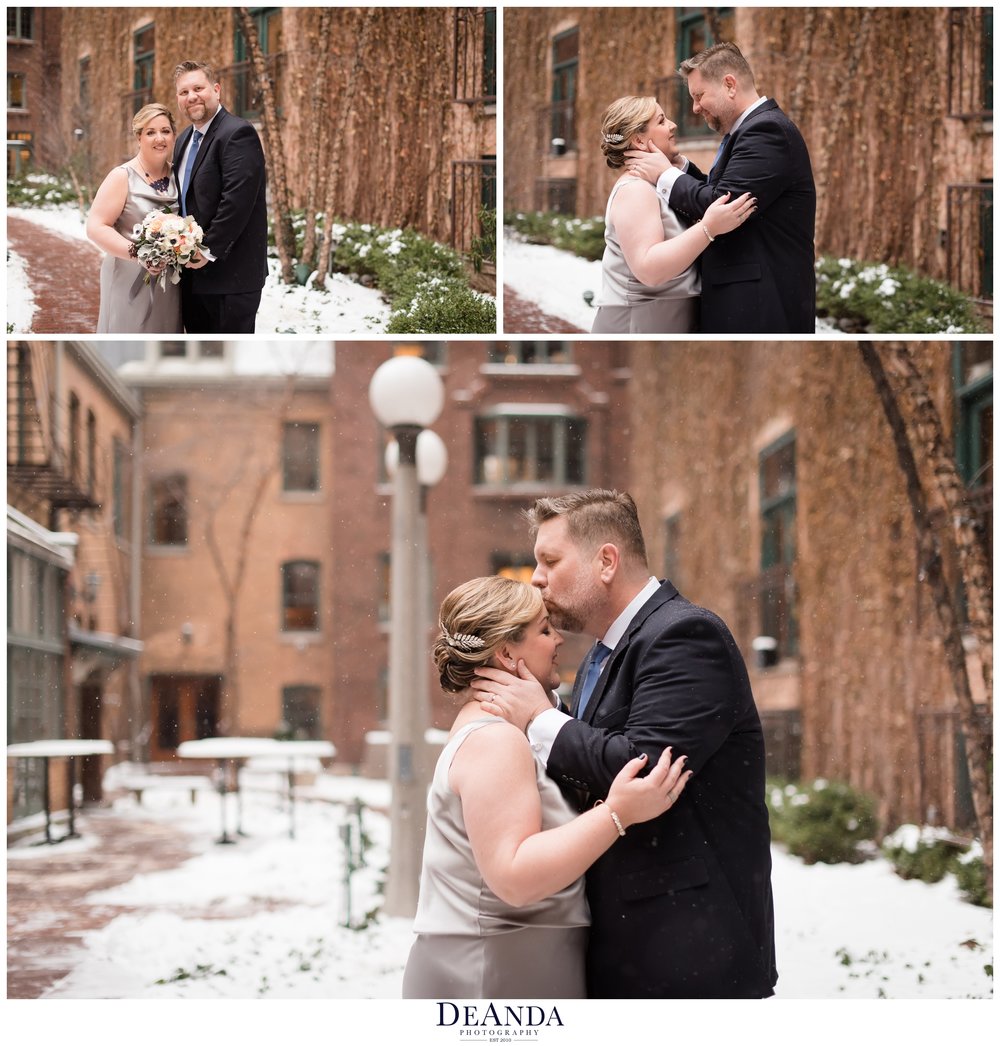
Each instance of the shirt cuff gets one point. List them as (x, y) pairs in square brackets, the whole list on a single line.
[(666, 180), (542, 732)]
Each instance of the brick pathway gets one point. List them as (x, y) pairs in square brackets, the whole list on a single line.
[(47, 910), (524, 317), (64, 276)]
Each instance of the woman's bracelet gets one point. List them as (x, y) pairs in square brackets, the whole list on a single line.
[(614, 817), (704, 229)]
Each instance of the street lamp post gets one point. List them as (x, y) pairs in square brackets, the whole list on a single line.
[(406, 395)]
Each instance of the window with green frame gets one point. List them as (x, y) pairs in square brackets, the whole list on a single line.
[(143, 59), (776, 594), (972, 369), (20, 23), (531, 353), (490, 53), (267, 20), (565, 67), (520, 446), (697, 29)]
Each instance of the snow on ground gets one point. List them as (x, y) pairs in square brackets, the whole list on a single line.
[(345, 307), (555, 281), (265, 919), (20, 300)]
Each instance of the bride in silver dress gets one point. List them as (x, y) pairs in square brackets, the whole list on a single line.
[(130, 305), (650, 281), (502, 912)]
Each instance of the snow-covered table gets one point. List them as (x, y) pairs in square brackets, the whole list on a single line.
[(59, 748), (234, 750)]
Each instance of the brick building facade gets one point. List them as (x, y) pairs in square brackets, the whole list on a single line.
[(72, 565), (773, 495), (33, 66), (930, 116), (417, 141)]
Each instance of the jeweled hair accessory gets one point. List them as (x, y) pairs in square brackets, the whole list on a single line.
[(614, 138), (462, 641)]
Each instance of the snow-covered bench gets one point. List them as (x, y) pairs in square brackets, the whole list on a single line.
[(174, 782)]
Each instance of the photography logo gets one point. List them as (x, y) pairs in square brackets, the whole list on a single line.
[(494, 1022)]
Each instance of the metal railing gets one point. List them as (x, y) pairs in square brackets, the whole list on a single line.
[(473, 190), (970, 240), (557, 127)]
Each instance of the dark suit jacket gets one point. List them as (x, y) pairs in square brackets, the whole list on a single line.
[(227, 197), (761, 277), (681, 906)]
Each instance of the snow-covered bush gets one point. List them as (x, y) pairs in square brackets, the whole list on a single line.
[(823, 820), (921, 852), (876, 298), (580, 236)]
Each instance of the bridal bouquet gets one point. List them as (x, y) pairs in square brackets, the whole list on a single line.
[(167, 241)]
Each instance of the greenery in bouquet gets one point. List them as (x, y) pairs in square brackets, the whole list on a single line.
[(166, 241)]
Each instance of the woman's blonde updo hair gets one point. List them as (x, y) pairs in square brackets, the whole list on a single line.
[(477, 618), (150, 112), (622, 119)]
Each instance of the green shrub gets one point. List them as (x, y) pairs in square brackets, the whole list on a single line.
[(445, 309), (881, 299), (923, 853), (970, 873), (581, 236), (40, 190), (823, 821)]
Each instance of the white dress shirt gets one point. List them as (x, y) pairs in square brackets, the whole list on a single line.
[(543, 728), (183, 164)]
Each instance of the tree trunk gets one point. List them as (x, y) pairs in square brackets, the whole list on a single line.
[(284, 235), (336, 149), (898, 360), (932, 571), (317, 155)]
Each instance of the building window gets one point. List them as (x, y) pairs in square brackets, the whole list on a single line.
[(83, 82), (15, 91), (74, 437), (776, 594), (562, 112), (168, 510), (972, 364), (121, 465), (384, 583), (246, 97), (474, 68), (557, 195), (534, 445), (672, 549), (20, 149), (473, 207), (300, 456), (300, 713), (91, 453), (970, 239), (300, 596), (970, 63), (697, 29), (515, 566), (20, 23), (143, 59), (531, 353)]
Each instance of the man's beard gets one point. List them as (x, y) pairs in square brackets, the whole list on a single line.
[(572, 618)]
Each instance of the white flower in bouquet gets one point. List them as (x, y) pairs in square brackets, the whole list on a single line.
[(168, 242)]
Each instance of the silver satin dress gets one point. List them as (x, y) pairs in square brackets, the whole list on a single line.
[(128, 304), (627, 306), (472, 945)]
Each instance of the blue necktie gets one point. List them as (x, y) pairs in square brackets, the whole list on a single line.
[(192, 153), (597, 658), (715, 162)]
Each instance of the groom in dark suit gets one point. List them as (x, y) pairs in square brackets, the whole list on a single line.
[(219, 166), (681, 906), (760, 278)]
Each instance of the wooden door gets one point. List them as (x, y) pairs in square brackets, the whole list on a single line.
[(184, 708)]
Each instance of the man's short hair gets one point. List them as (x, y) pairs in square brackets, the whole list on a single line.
[(714, 62), (193, 67), (594, 517)]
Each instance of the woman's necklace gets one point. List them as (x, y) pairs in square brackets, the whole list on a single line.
[(160, 184)]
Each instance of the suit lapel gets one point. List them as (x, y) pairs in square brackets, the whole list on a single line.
[(213, 128), (662, 595)]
